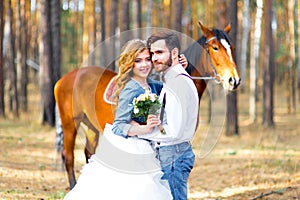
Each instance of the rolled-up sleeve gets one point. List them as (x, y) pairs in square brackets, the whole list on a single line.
[(123, 115)]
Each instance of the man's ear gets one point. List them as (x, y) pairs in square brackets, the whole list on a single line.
[(175, 53)]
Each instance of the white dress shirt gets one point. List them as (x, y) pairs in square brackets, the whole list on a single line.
[(181, 109)]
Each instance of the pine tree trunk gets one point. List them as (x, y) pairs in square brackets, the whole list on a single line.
[(194, 19), (291, 25), (149, 19), (298, 36), (12, 71), (92, 33), (46, 69), (34, 42), (2, 110), (113, 27), (137, 17), (232, 111), (221, 18), (85, 36), (244, 41), (103, 34), (124, 37), (166, 13), (56, 42), (178, 16), (254, 55), (268, 68), (21, 47)]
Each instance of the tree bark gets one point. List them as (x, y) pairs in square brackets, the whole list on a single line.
[(137, 17), (166, 13), (46, 69), (92, 33), (125, 22), (178, 15), (149, 20), (114, 17), (232, 127), (21, 47), (102, 19), (298, 53), (113, 27), (33, 35), (56, 41), (89, 32), (244, 41), (85, 36), (2, 110), (268, 68), (292, 67), (254, 55), (194, 19), (103, 34), (12, 71), (222, 17)]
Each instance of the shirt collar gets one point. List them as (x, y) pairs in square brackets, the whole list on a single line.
[(174, 71)]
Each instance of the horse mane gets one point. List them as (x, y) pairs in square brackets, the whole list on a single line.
[(193, 51)]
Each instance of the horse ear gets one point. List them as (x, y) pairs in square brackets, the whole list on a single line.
[(206, 32), (227, 28)]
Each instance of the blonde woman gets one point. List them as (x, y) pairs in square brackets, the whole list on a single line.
[(124, 166)]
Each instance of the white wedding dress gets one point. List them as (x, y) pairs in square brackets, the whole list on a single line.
[(121, 169)]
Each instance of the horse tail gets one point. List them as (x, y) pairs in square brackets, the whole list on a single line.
[(59, 139)]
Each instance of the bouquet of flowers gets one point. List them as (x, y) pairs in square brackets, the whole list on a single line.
[(145, 104)]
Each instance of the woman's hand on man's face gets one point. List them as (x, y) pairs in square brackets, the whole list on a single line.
[(183, 61)]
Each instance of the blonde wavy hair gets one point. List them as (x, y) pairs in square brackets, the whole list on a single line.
[(126, 62)]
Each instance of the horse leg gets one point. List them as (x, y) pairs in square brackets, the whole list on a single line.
[(87, 154), (68, 154), (91, 143), (92, 136)]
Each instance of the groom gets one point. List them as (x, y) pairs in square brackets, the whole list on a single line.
[(180, 117)]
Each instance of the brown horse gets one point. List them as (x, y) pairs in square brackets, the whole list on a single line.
[(80, 94)]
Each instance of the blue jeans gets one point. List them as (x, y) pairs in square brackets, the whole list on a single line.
[(176, 162)]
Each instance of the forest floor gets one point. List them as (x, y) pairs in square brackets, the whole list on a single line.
[(259, 163)]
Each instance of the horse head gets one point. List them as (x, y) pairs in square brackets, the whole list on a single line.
[(219, 52)]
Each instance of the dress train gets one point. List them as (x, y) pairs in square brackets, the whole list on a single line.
[(121, 169)]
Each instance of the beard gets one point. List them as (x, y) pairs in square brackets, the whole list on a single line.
[(169, 61), (165, 64)]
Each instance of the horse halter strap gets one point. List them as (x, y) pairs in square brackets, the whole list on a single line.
[(216, 76)]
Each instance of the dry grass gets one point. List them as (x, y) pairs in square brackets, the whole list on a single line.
[(259, 161)]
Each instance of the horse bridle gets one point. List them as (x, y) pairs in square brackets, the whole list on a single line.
[(216, 76)]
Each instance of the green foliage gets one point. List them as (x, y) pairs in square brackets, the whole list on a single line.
[(232, 152), (57, 195)]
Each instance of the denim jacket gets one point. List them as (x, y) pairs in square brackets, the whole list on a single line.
[(132, 89)]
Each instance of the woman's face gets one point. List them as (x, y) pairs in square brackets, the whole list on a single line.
[(142, 65)]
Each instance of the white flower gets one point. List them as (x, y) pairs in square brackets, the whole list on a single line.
[(142, 97), (136, 110), (152, 97), (147, 92)]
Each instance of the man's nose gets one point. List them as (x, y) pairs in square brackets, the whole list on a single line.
[(154, 58)]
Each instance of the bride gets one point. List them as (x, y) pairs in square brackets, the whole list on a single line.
[(121, 169), (124, 166)]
